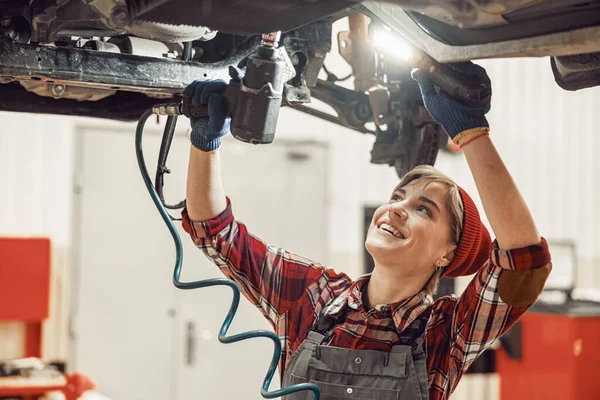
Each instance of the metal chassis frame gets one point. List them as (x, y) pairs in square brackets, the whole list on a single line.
[(157, 76)]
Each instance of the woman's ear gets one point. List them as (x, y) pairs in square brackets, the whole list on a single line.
[(445, 260)]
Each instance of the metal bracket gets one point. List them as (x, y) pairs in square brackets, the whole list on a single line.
[(353, 108), (153, 76)]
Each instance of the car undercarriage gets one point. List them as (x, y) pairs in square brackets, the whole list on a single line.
[(115, 59)]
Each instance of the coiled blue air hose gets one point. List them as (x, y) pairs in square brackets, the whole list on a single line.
[(223, 338)]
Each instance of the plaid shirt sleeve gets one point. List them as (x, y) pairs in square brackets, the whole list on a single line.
[(480, 315), (270, 278)]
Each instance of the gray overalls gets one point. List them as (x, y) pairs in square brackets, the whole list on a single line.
[(360, 374)]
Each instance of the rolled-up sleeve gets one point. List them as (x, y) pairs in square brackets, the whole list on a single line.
[(269, 277), (497, 296), (524, 274), (210, 228)]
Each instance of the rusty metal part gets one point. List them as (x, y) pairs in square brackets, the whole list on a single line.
[(59, 90), (576, 41), (123, 106), (357, 49), (94, 69)]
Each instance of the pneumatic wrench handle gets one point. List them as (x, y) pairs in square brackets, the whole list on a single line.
[(193, 111)]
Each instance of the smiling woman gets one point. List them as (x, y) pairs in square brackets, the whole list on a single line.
[(383, 336), (426, 241)]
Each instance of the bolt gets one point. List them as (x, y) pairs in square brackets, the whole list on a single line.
[(362, 111), (119, 16), (57, 90)]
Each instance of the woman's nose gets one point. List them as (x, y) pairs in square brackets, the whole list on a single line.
[(397, 210)]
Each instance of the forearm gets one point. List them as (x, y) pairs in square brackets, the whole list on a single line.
[(205, 195), (503, 204)]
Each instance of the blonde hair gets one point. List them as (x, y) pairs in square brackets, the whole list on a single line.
[(433, 282), (454, 205)]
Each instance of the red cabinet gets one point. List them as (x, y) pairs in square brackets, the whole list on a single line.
[(560, 356), (24, 279), (25, 287)]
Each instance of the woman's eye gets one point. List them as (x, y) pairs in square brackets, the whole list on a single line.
[(424, 210), (396, 198)]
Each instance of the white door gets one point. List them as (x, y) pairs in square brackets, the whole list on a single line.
[(124, 305), (279, 192), (133, 329)]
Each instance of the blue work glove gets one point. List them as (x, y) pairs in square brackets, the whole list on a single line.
[(454, 115), (208, 132)]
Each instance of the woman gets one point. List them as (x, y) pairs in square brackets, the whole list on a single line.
[(382, 336)]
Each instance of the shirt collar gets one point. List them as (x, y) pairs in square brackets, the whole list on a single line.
[(403, 312)]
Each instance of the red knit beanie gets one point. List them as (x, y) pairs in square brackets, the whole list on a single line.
[(474, 244)]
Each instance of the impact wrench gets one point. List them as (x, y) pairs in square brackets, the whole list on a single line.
[(253, 99)]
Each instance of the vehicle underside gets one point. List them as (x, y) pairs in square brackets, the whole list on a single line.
[(116, 58)]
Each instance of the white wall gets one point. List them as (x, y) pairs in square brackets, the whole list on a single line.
[(36, 157), (550, 143)]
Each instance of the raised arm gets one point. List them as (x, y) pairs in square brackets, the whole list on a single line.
[(205, 196), (510, 282), (503, 204)]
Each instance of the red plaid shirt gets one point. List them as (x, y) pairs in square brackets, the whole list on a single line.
[(291, 290)]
